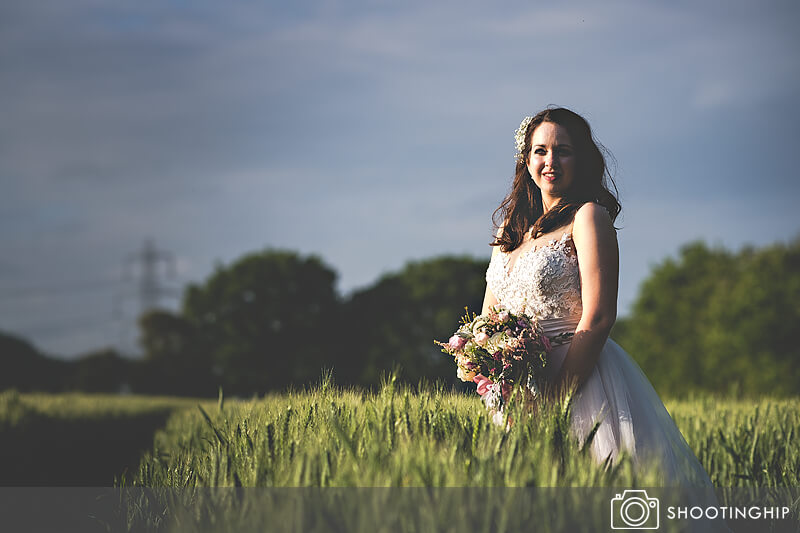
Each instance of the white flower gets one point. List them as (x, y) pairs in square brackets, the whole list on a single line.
[(498, 418), (492, 396), (465, 375), (478, 326), (497, 342), (519, 136)]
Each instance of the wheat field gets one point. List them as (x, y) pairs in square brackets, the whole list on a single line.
[(426, 436)]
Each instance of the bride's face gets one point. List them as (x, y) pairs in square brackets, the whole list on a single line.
[(552, 161)]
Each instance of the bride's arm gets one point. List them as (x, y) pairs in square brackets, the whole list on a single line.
[(489, 298), (598, 262)]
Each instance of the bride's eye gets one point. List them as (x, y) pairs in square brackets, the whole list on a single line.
[(564, 151), (540, 151)]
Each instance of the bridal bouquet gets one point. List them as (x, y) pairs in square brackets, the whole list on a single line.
[(499, 351)]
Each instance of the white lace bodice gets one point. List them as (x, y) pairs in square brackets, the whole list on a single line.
[(543, 282)]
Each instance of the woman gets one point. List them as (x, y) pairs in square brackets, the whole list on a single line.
[(556, 258)]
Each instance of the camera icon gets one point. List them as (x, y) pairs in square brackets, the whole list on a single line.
[(633, 509)]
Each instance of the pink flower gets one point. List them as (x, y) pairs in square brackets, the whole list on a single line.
[(546, 342), (482, 338), (502, 316), (483, 383), (456, 342)]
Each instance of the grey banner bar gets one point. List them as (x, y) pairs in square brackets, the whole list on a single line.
[(496, 509)]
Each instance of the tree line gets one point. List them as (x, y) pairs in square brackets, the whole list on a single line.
[(710, 320), (721, 321)]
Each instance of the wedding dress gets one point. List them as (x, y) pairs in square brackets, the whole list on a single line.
[(544, 282)]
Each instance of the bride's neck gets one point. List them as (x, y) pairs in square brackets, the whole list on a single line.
[(548, 203)]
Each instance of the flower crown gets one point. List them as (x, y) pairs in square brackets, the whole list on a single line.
[(519, 137)]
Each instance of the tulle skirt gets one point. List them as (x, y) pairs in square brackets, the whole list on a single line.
[(631, 414)]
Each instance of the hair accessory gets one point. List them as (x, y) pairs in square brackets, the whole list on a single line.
[(519, 136)]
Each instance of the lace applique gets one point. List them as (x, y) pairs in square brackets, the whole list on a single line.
[(543, 282)]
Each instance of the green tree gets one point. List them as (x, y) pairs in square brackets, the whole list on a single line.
[(25, 369), (719, 321), (175, 360), (751, 342), (102, 371), (395, 321), (266, 320)]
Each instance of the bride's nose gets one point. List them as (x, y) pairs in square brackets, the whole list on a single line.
[(551, 160)]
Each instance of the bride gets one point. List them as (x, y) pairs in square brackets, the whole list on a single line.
[(556, 258)]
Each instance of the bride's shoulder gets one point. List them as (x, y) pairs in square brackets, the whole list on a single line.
[(592, 214), (592, 221)]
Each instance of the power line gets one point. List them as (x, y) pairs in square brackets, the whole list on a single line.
[(9, 293), (49, 328)]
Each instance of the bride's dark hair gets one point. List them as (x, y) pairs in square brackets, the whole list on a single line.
[(522, 209)]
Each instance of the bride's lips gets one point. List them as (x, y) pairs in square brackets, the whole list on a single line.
[(550, 176)]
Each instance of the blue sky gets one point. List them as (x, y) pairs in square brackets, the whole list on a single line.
[(370, 133)]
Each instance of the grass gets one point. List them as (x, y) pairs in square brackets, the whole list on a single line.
[(326, 437), (370, 450), (77, 439)]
